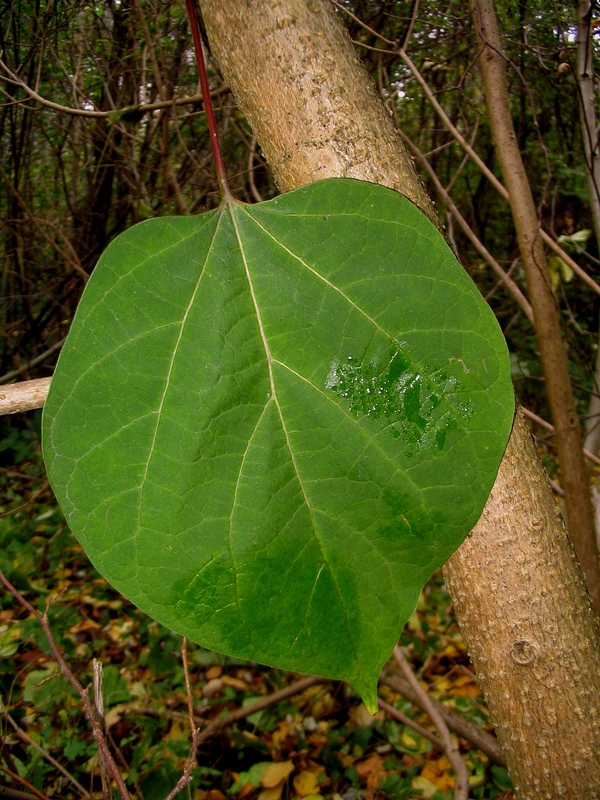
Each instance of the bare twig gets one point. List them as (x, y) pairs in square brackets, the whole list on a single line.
[(114, 114), (46, 756), (15, 794), (69, 257), (251, 154), (456, 722), (65, 670), (265, 702), (8, 376), (362, 24), (398, 715), (485, 170), (461, 783), (549, 427), (99, 704), (477, 243), (192, 758), (23, 782), (23, 396)]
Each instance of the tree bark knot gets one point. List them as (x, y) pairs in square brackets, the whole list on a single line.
[(523, 652)]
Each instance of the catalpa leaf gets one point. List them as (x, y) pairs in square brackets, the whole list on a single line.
[(270, 424)]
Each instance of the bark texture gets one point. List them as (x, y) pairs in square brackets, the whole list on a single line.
[(23, 396), (517, 590), (567, 429), (332, 127), (533, 637)]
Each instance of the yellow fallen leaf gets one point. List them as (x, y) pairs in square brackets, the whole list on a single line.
[(179, 729), (436, 772), (469, 690), (276, 773), (430, 772), (462, 680), (443, 684), (425, 786), (236, 683), (211, 794), (306, 783), (273, 793), (214, 672), (451, 650), (408, 740), (284, 729), (445, 783), (443, 763)]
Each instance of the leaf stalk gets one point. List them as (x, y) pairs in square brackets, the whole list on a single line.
[(226, 194)]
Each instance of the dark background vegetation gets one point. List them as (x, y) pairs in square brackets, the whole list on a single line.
[(70, 183)]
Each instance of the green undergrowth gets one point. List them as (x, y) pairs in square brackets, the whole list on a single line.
[(323, 739)]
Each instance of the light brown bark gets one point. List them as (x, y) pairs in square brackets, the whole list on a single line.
[(567, 429), (517, 591), (316, 115), (23, 396)]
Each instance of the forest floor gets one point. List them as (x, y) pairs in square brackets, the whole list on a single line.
[(264, 734)]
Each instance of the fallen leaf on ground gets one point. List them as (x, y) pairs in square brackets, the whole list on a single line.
[(425, 786), (273, 793), (235, 683), (306, 783), (276, 773), (371, 770)]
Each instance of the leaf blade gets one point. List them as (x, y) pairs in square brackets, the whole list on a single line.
[(306, 403)]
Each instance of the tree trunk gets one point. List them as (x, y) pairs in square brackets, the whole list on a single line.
[(574, 476), (520, 598)]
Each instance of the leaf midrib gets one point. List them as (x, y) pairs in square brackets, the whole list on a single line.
[(275, 399)]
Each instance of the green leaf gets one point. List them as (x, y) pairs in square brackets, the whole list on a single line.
[(575, 241), (270, 424), (559, 270)]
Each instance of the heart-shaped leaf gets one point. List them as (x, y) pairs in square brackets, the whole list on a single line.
[(270, 424)]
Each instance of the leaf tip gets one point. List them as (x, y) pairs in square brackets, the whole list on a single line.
[(368, 694)]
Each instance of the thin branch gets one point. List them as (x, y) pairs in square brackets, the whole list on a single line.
[(481, 739), (65, 670), (118, 113), (400, 717), (363, 25), (15, 794), (411, 24), (192, 758), (251, 154), (265, 702), (485, 170), (23, 782), (33, 363), (98, 682), (470, 233), (22, 735), (549, 427), (71, 258), (23, 396), (461, 782)]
